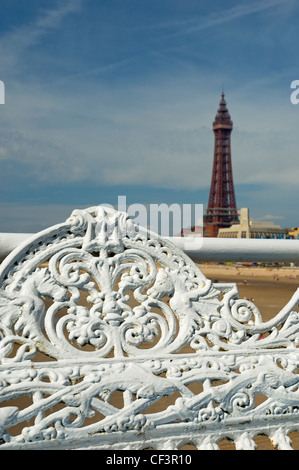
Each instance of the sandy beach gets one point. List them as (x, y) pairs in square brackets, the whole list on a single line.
[(270, 288)]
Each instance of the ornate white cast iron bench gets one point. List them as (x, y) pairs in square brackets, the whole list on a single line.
[(112, 338)]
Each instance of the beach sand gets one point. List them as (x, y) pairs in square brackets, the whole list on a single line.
[(270, 288)]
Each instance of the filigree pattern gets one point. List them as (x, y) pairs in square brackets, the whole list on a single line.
[(118, 310)]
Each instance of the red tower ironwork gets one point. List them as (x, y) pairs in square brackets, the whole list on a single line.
[(222, 209)]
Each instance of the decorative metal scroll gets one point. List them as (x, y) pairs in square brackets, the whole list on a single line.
[(111, 337)]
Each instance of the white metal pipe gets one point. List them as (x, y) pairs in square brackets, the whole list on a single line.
[(205, 249), (239, 249), (10, 241)]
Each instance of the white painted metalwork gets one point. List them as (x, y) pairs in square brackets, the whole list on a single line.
[(96, 307)]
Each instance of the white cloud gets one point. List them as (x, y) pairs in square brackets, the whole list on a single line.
[(154, 131), (216, 18)]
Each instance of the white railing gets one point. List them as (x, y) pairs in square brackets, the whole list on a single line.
[(240, 249), (204, 249)]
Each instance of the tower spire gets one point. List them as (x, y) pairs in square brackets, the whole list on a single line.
[(222, 209)]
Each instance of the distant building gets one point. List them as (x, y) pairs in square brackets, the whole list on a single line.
[(253, 229)]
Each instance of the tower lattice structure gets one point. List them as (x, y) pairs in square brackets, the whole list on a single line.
[(222, 209)]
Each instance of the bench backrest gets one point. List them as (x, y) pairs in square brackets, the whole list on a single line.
[(112, 338)]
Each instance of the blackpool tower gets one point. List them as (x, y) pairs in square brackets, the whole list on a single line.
[(222, 209)]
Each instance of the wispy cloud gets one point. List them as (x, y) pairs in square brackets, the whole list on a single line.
[(15, 41), (220, 17), (119, 105), (270, 217)]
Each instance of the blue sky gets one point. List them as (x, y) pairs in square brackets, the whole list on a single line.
[(117, 97)]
